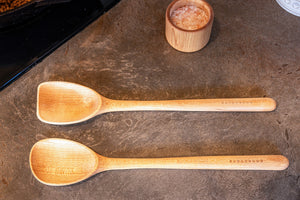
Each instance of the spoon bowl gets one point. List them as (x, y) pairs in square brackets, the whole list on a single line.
[(59, 162), (63, 103)]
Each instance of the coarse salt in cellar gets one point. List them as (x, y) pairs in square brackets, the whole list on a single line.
[(188, 24), (189, 17)]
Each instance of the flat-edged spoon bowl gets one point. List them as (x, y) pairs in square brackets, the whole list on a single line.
[(60, 162), (63, 103)]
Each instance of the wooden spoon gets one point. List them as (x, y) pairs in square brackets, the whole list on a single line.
[(59, 162), (64, 103)]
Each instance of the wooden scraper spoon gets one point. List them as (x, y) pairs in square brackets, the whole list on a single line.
[(60, 162), (63, 103)]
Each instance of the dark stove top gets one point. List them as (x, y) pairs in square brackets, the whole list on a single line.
[(23, 46)]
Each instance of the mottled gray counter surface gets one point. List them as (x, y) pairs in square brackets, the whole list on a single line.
[(254, 51)]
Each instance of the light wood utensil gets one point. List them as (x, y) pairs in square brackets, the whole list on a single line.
[(64, 103), (60, 162)]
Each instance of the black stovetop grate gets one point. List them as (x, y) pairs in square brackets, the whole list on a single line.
[(25, 45)]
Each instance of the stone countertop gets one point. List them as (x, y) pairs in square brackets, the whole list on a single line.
[(254, 51)]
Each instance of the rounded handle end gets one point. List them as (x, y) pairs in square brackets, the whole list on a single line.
[(284, 163), (271, 104)]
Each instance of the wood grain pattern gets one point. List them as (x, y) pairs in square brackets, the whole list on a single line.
[(61, 162), (64, 103), (188, 40)]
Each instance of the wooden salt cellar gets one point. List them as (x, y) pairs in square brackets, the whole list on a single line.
[(188, 40)]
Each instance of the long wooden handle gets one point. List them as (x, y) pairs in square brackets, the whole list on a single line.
[(221, 105), (255, 162)]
